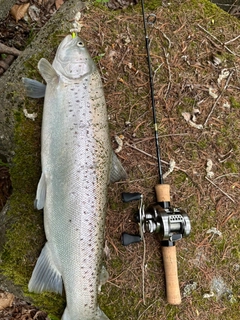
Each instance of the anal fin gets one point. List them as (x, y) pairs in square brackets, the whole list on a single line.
[(101, 315), (103, 278), (117, 171)]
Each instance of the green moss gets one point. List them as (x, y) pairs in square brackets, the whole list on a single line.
[(234, 103), (3, 164), (31, 66), (232, 166), (180, 177), (153, 5), (113, 311)]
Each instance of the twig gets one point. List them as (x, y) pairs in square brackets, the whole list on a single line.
[(216, 39), (146, 154), (209, 180), (218, 98), (227, 175), (155, 71), (228, 218), (161, 136), (123, 57), (146, 309), (169, 41), (232, 40), (169, 73)]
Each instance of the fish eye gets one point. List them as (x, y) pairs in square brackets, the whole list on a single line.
[(80, 44)]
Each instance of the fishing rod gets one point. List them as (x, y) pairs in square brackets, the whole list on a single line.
[(172, 224)]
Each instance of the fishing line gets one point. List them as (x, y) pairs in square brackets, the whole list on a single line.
[(151, 19)]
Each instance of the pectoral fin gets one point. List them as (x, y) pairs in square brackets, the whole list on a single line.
[(45, 276), (41, 193), (117, 171), (34, 88), (47, 71)]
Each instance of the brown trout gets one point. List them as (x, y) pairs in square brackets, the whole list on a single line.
[(77, 165)]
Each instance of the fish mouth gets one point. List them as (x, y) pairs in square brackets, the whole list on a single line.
[(70, 43), (67, 39)]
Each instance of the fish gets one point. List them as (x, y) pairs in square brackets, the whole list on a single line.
[(78, 164)]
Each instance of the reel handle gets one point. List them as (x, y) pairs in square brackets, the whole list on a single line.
[(128, 196), (171, 275)]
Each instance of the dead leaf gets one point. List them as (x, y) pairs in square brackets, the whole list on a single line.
[(19, 11), (6, 300), (58, 3)]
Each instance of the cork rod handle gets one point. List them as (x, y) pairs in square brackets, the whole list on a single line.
[(171, 275), (162, 192)]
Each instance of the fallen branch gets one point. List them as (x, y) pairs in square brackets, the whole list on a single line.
[(4, 64), (9, 50)]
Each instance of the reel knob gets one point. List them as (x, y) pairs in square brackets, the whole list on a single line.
[(128, 196), (127, 238)]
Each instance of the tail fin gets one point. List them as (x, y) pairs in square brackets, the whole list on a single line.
[(100, 315)]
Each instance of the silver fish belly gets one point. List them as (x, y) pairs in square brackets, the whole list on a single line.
[(77, 165)]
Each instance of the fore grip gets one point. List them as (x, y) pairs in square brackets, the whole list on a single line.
[(171, 275), (162, 192)]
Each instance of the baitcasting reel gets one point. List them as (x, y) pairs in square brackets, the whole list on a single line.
[(172, 224)]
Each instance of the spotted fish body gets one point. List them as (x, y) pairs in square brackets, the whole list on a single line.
[(77, 165)]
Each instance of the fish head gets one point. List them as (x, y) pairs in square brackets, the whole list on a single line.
[(72, 59)]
